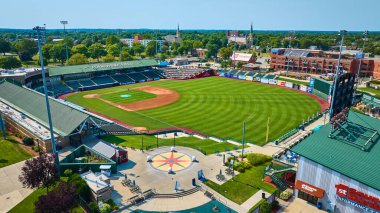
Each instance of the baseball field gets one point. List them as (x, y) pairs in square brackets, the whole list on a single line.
[(212, 106)]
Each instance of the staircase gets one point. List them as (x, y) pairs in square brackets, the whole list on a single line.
[(177, 195), (282, 185)]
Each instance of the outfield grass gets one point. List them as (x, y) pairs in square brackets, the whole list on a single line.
[(11, 152), (216, 106), (371, 91), (206, 146), (135, 95), (293, 81), (244, 185)]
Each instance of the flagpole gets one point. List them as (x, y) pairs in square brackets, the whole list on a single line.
[(268, 129)]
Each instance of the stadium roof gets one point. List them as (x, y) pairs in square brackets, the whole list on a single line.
[(65, 118), (65, 70), (344, 157)]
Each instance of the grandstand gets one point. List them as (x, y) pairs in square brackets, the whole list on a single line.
[(186, 73), (66, 79)]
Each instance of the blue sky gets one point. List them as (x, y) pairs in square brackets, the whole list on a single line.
[(194, 14)]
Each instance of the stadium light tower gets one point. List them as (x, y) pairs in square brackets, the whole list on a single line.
[(338, 71), (64, 31), (40, 35)]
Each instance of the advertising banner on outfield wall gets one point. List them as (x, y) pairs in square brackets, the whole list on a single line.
[(281, 83), (242, 77), (249, 78), (272, 81), (265, 80), (310, 89), (289, 84), (296, 86), (303, 88)]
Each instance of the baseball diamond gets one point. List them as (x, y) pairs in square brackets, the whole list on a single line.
[(212, 106)]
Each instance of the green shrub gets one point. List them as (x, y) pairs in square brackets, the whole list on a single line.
[(265, 207), (68, 172), (258, 159), (285, 195), (36, 148), (112, 203), (94, 207), (26, 140), (106, 208)]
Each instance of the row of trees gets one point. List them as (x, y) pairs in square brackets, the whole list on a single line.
[(106, 45)]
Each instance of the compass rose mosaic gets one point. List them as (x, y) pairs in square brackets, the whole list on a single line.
[(176, 160)]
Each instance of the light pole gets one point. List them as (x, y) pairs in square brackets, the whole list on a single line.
[(337, 72), (64, 32), (40, 34)]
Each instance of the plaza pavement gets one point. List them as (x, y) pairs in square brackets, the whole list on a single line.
[(11, 190)]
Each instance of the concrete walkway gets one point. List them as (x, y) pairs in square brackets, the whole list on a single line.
[(11, 190), (254, 199)]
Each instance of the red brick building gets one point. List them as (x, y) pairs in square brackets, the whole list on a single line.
[(320, 62)]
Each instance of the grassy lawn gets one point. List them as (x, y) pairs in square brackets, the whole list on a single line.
[(11, 152), (370, 91), (293, 81), (135, 95), (27, 205), (207, 146), (215, 106), (244, 185)]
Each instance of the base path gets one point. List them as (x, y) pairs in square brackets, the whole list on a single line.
[(163, 97)]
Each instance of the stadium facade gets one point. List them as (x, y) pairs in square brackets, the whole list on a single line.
[(321, 62), (336, 173)]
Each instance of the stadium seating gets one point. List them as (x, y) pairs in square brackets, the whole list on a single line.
[(123, 79), (269, 76), (250, 73), (87, 83), (151, 75), (74, 85), (99, 80), (182, 73), (259, 75), (137, 77)]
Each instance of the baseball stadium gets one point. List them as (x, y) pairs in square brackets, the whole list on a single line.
[(212, 107)]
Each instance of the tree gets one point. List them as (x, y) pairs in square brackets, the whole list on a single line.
[(78, 58), (225, 53), (113, 50), (111, 40), (108, 58), (27, 45), (58, 52), (80, 48), (39, 171), (9, 63), (212, 49), (5, 46), (61, 199), (197, 44), (138, 48), (150, 48), (125, 56), (37, 57), (81, 186), (96, 51), (106, 208), (46, 51), (25, 56), (162, 57)]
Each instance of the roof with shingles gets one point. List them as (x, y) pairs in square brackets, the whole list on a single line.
[(66, 70), (65, 118), (342, 157)]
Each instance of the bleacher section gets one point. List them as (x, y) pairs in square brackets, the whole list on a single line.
[(137, 77), (123, 79), (151, 75), (183, 73), (74, 85), (87, 83), (268, 76), (100, 80)]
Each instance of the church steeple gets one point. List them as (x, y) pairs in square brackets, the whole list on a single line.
[(178, 35), (250, 36)]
